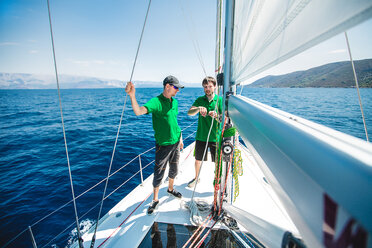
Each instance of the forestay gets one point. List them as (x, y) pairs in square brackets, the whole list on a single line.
[(269, 32)]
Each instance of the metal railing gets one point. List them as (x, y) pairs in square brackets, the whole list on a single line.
[(29, 228)]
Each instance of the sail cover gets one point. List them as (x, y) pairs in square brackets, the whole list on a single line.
[(267, 32)]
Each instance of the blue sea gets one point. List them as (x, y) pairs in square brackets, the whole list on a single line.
[(34, 178)]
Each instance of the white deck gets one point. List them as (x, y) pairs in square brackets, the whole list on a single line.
[(120, 226)]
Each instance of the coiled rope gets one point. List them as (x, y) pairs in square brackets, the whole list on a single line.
[(63, 127), (117, 134), (237, 170)]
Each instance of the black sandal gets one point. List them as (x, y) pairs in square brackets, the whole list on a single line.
[(153, 206), (174, 193)]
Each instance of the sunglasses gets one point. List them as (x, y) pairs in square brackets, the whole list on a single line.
[(175, 87)]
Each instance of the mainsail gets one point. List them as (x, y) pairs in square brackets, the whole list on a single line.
[(269, 32)]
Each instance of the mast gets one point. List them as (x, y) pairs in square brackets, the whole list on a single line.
[(229, 25), (218, 37), (227, 71)]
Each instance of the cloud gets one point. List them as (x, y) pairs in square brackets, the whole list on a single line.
[(88, 62), (338, 51), (33, 51), (9, 44)]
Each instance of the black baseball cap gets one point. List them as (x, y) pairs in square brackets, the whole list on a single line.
[(173, 81)]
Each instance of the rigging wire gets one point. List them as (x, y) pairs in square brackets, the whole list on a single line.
[(357, 85), (194, 41), (121, 118), (63, 127)]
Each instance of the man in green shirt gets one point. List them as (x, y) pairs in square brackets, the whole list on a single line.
[(168, 137), (208, 106)]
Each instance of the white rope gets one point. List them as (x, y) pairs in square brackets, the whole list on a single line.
[(357, 86), (204, 153), (199, 209), (63, 127)]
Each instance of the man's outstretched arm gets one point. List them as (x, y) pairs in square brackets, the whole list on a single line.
[(131, 91), (194, 110)]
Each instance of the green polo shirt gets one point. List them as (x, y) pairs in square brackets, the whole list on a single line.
[(164, 120), (204, 123)]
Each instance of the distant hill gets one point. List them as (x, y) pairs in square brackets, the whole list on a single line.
[(35, 81), (339, 74)]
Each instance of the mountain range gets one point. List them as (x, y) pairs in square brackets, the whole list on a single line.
[(337, 74), (36, 81)]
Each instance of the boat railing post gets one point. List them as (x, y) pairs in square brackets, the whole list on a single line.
[(140, 163), (32, 237)]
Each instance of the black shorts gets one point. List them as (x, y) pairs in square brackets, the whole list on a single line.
[(163, 155), (200, 147)]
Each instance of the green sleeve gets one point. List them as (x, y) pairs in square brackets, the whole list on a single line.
[(196, 103), (153, 105)]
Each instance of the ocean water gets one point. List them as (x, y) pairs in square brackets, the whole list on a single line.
[(34, 175)]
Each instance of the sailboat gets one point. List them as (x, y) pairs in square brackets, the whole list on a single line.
[(304, 185), (307, 185)]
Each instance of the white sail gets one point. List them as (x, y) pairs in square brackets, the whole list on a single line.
[(269, 32)]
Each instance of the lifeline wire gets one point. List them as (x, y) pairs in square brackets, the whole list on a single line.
[(77, 197), (117, 135), (63, 126), (357, 86)]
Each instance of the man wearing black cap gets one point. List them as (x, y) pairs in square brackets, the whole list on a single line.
[(168, 137)]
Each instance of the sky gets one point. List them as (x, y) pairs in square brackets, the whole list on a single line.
[(99, 39)]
